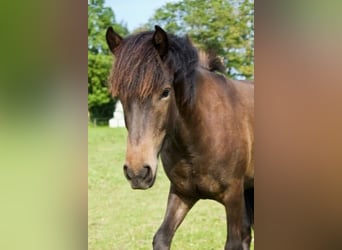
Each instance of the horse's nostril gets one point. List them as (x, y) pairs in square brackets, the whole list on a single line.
[(146, 171), (127, 172)]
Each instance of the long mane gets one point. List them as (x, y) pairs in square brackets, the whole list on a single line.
[(211, 62)]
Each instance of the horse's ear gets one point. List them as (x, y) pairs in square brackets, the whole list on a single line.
[(113, 39), (160, 41)]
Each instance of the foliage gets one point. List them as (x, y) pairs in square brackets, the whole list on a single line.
[(100, 103), (225, 27)]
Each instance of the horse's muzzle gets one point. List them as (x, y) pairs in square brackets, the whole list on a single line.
[(140, 179)]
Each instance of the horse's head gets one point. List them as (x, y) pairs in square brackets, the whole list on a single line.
[(143, 84)]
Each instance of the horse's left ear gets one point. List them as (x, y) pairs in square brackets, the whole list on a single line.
[(160, 41)]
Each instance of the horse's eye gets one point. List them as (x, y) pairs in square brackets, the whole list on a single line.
[(166, 93)]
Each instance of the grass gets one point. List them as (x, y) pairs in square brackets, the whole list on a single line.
[(125, 219)]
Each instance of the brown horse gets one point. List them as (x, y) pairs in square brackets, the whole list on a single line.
[(198, 121)]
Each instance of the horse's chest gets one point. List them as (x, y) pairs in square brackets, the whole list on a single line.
[(207, 186), (194, 180)]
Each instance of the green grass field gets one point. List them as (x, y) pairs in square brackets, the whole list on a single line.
[(126, 219)]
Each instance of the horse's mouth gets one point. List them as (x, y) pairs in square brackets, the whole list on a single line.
[(143, 184)]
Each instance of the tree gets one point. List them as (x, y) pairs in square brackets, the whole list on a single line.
[(225, 27), (100, 103)]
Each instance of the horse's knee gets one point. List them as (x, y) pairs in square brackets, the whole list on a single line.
[(234, 245), (246, 232), (160, 242)]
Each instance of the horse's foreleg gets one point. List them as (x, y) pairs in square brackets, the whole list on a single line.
[(177, 208), (234, 205), (246, 233)]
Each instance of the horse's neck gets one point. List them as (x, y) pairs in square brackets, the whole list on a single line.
[(203, 103), (179, 136), (183, 127)]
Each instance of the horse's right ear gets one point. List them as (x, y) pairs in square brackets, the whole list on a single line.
[(113, 39)]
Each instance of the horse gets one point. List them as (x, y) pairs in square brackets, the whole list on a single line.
[(199, 122)]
